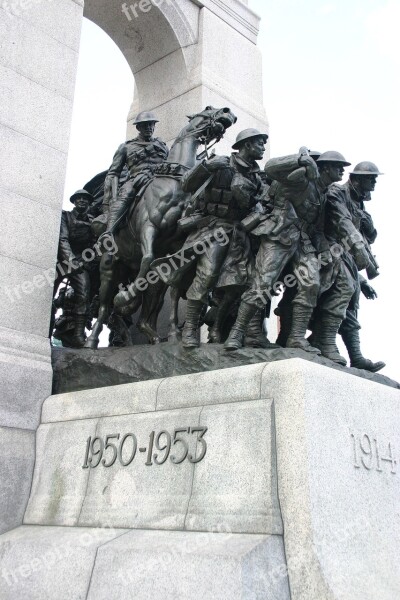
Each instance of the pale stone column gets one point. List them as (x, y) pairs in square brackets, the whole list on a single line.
[(38, 61), (220, 64)]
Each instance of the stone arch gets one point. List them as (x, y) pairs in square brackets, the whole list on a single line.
[(184, 54), (157, 43)]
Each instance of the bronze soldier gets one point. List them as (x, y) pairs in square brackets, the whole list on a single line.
[(233, 187), (140, 156), (347, 208), (292, 234), (76, 237)]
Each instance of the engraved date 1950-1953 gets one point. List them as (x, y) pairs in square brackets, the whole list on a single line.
[(373, 454), (124, 449)]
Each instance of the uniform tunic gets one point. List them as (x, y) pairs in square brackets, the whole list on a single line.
[(75, 237), (228, 198), (293, 233), (349, 218)]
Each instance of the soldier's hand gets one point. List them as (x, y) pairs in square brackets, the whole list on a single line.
[(368, 291), (217, 163), (311, 166), (326, 258), (360, 256)]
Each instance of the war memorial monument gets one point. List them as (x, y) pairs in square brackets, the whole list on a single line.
[(193, 455)]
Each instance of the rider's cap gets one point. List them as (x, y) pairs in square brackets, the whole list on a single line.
[(84, 193), (145, 117), (247, 134)]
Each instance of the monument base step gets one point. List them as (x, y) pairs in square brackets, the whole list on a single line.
[(76, 563)]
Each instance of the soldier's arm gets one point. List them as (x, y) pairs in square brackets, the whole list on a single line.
[(368, 228), (340, 217), (196, 177), (115, 170), (65, 252), (164, 150), (341, 221)]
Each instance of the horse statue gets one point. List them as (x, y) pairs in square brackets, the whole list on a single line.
[(152, 228)]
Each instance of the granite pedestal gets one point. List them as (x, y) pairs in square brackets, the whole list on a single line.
[(268, 481)]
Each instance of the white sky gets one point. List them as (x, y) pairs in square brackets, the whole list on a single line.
[(330, 83)]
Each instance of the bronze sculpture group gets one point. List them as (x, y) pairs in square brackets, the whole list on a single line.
[(227, 237)]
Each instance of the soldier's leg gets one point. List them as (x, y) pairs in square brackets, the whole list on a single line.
[(80, 283), (350, 332), (284, 311), (306, 271), (120, 206), (229, 299), (256, 334), (271, 259), (331, 312), (208, 268)]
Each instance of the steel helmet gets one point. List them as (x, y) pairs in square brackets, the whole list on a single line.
[(247, 134), (84, 193), (145, 117), (366, 168), (333, 157)]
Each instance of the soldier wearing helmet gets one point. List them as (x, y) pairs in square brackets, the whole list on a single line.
[(355, 228), (140, 156), (75, 237), (230, 188), (291, 239)]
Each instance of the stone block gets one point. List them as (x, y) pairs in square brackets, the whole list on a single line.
[(233, 486), (36, 222), (236, 488), (337, 442), (140, 496), (28, 117), (58, 19), (59, 482), (240, 384), (90, 404), (175, 565), (26, 376), (220, 65), (17, 451), (20, 39), (237, 15), (25, 297), (49, 563), (42, 180)]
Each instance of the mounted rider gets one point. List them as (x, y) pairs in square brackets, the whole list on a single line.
[(140, 156)]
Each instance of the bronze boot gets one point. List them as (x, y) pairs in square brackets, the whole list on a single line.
[(351, 340), (324, 338), (255, 336), (78, 339), (301, 316), (191, 330), (237, 333)]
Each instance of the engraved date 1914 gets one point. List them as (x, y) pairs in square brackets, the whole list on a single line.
[(124, 449), (373, 454)]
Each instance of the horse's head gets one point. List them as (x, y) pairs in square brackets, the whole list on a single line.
[(211, 123)]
